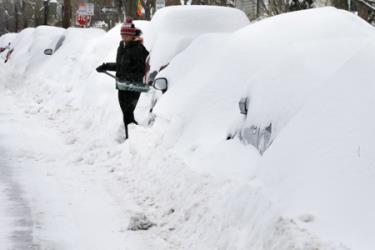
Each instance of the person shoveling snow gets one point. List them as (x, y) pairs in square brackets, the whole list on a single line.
[(130, 69)]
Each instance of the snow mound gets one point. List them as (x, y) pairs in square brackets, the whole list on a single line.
[(308, 74), (173, 28)]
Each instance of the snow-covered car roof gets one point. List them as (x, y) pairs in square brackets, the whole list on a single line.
[(173, 28)]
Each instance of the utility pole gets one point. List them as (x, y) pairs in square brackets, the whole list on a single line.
[(66, 14)]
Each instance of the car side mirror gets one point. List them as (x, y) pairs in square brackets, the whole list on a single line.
[(48, 52), (244, 105), (161, 84)]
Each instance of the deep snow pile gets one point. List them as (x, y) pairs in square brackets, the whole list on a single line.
[(320, 170), (310, 190)]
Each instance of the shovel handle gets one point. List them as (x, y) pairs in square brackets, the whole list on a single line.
[(111, 75)]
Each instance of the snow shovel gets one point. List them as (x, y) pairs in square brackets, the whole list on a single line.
[(136, 87), (128, 85)]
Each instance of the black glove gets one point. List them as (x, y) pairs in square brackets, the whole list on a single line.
[(102, 68)]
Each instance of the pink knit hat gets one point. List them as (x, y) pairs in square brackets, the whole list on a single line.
[(128, 27)]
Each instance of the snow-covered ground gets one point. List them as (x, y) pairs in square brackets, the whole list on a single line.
[(51, 202), (307, 73)]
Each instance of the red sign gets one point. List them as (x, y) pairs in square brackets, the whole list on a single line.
[(83, 20)]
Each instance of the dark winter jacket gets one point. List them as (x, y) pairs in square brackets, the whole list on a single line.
[(130, 62)]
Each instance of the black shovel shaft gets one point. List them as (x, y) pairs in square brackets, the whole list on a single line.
[(111, 75), (126, 125)]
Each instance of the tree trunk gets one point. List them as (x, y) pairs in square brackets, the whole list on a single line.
[(67, 15), (130, 8), (172, 2), (16, 16)]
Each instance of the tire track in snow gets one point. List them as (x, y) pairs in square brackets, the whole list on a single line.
[(17, 210)]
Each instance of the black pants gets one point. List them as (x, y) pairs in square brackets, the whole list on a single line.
[(128, 100)]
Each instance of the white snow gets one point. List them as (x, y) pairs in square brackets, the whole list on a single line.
[(331, 175), (311, 69), (173, 28), (309, 73)]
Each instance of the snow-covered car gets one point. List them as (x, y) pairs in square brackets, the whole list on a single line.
[(306, 84), (172, 29), (55, 45), (48, 39), (237, 67)]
